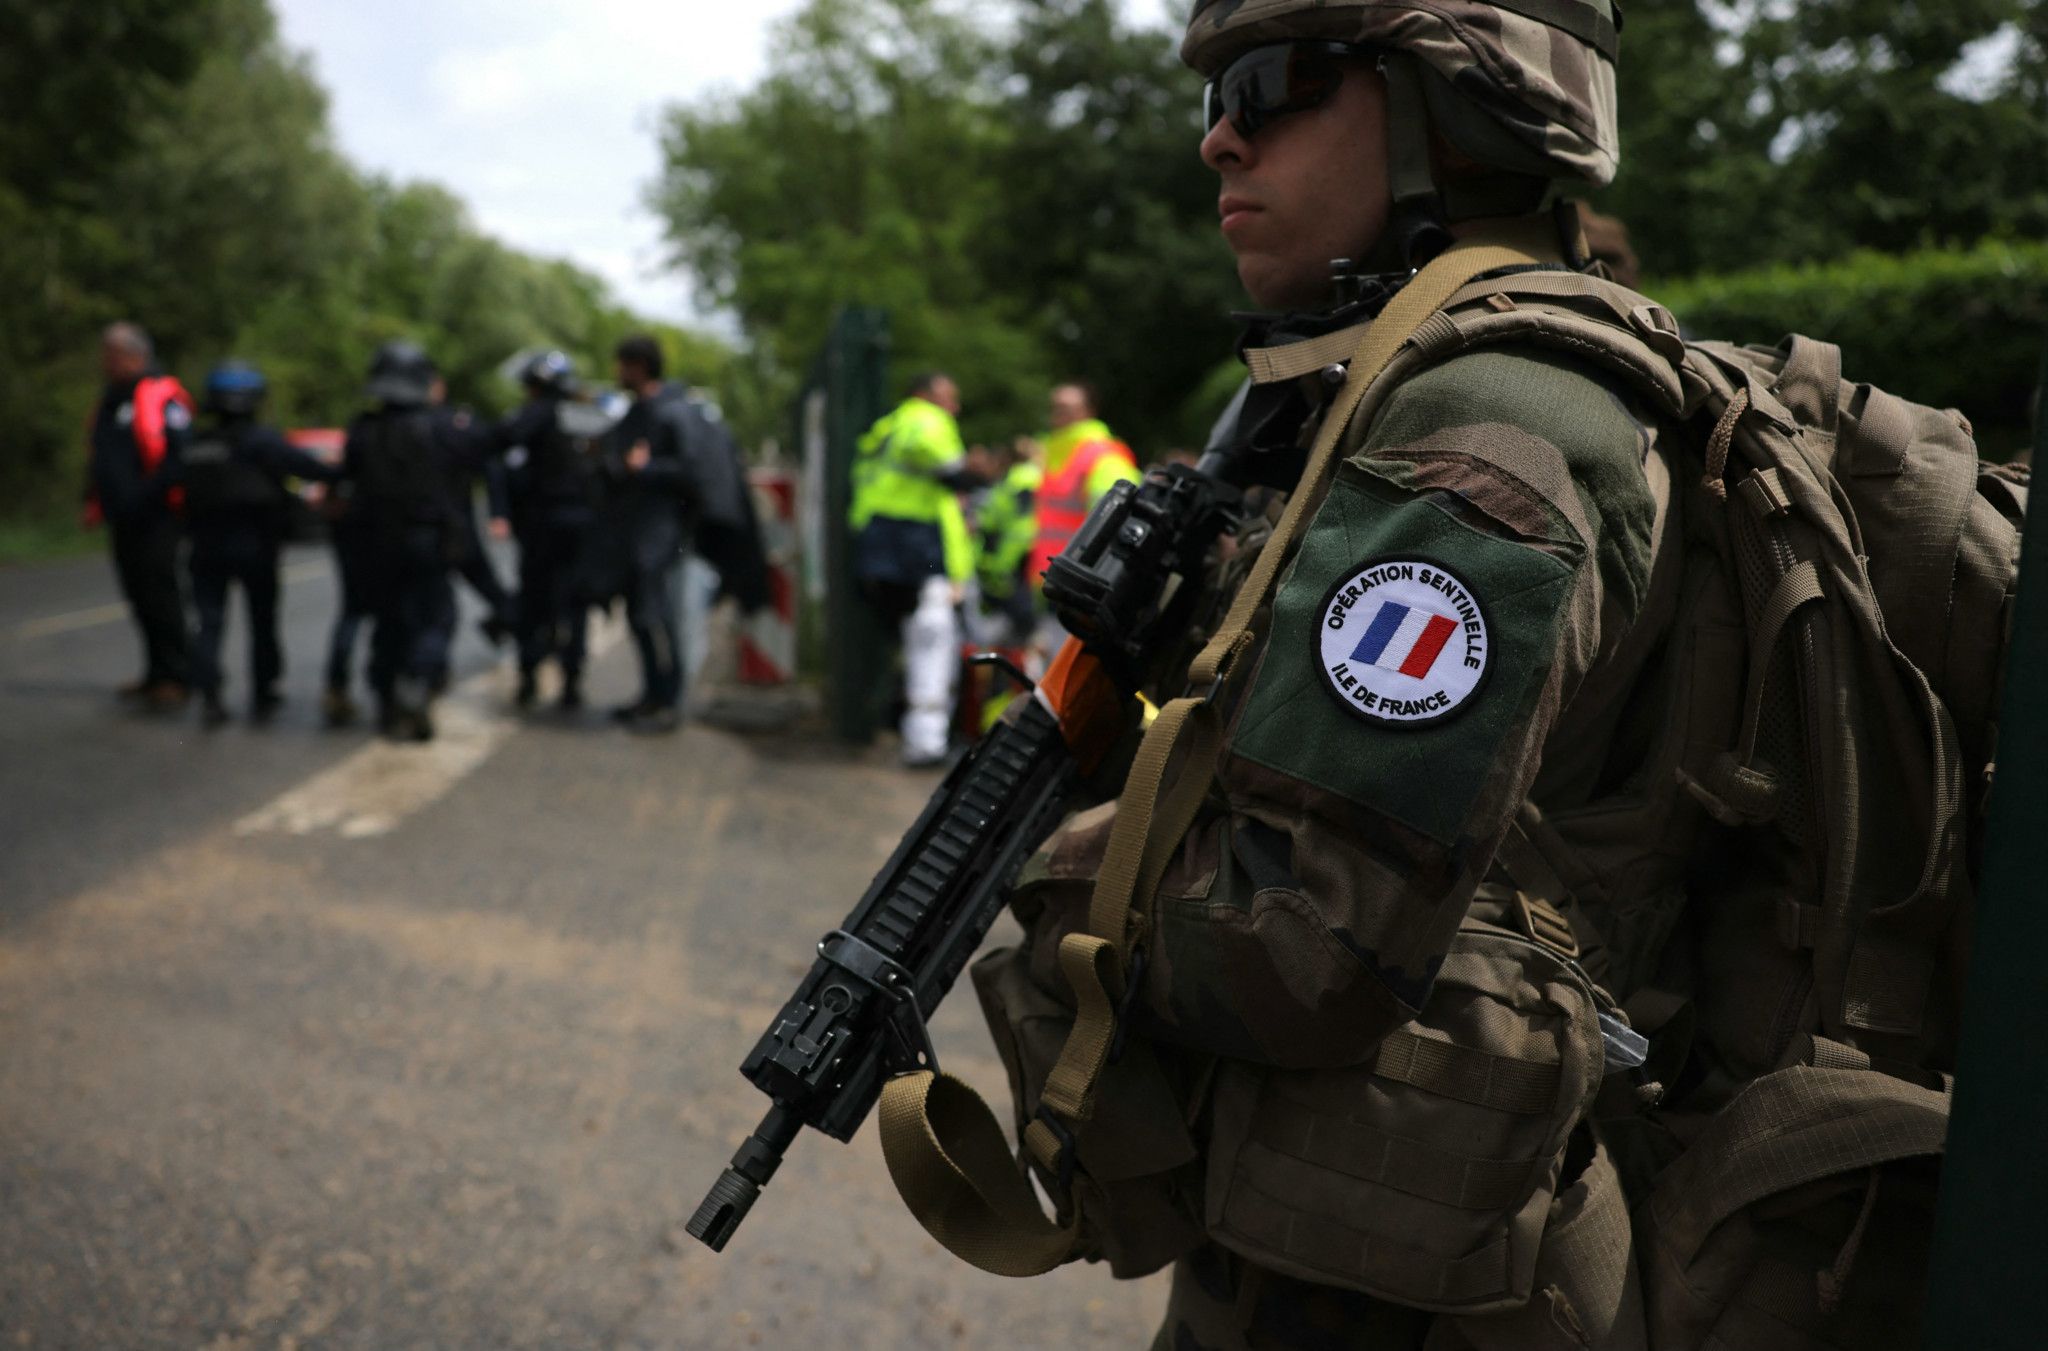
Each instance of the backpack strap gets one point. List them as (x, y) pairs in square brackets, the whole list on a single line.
[(1792, 1127)]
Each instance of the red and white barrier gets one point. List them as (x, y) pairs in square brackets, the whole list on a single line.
[(767, 640)]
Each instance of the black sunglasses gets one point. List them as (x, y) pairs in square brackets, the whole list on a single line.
[(1271, 82)]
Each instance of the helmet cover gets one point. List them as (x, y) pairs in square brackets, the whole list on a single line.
[(1548, 81)]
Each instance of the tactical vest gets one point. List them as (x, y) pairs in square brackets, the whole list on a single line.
[(393, 461), (222, 485), (1775, 892)]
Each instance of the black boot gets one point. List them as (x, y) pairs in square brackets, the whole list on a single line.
[(337, 710)]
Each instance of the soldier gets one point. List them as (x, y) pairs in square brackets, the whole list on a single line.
[(235, 500), (1460, 627)]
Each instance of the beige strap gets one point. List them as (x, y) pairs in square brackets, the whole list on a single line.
[(952, 1165), (966, 1191), (1787, 1129), (1291, 361)]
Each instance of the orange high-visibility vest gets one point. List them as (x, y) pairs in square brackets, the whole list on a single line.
[(152, 398), (1064, 504)]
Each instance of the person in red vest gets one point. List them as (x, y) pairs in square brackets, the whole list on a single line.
[(1083, 461), (137, 446)]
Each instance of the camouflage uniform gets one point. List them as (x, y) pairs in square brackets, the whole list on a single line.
[(1310, 909)]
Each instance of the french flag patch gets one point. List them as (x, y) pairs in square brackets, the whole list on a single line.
[(1405, 639), (1403, 643)]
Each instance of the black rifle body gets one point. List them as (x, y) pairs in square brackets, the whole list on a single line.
[(1128, 579)]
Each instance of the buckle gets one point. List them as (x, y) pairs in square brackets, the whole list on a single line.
[(1545, 924), (1134, 978), (1068, 1159)]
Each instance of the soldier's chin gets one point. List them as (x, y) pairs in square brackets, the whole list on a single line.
[(1282, 283)]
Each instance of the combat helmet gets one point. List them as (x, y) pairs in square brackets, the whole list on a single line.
[(551, 372), (402, 375), (1523, 88)]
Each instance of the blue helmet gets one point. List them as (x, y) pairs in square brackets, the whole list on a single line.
[(551, 371), (235, 389)]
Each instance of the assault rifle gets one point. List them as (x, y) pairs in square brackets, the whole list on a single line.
[(1128, 581)]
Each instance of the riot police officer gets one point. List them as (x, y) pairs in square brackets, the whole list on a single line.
[(550, 477), (400, 458), (235, 504)]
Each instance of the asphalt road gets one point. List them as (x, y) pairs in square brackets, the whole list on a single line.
[(310, 1042)]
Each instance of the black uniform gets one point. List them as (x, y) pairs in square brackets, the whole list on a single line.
[(550, 495), (472, 563), (645, 531), (134, 498), (728, 533), (235, 509), (348, 536), (399, 461)]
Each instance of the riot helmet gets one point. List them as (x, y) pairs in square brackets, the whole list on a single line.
[(551, 372), (403, 375), (235, 389)]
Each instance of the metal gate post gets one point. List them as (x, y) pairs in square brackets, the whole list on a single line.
[(1991, 1231)]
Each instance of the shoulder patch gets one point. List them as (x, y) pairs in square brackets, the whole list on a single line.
[(176, 417), (1417, 758), (1403, 642)]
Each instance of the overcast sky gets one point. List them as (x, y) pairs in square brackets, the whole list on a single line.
[(540, 114)]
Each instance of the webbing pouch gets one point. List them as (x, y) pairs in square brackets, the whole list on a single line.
[(1799, 1217), (1426, 1177), (1141, 1203)]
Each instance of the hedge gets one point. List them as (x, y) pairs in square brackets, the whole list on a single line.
[(1959, 328)]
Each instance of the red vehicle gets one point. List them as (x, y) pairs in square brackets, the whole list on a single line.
[(308, 520)]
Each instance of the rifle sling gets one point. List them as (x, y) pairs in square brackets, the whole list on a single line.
[(949, 1158)]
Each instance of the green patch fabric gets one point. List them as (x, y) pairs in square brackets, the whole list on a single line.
[(1582, 411), (1428, 776)]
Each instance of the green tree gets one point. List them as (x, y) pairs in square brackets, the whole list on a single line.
[(1120, 238), (861, 170), (1020, 190), (174, 164), (1761, 131)]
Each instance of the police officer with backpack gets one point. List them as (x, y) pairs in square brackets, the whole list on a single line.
[(235, 512), (399, 459), (551, 476)]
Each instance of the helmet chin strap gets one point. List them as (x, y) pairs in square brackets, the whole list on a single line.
[(1418, 228)]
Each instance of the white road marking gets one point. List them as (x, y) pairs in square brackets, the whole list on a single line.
[(69, 623), (76, 620), (371, 793)]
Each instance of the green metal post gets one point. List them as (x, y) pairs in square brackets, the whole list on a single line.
[(1991, 1233), (852, 373)]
